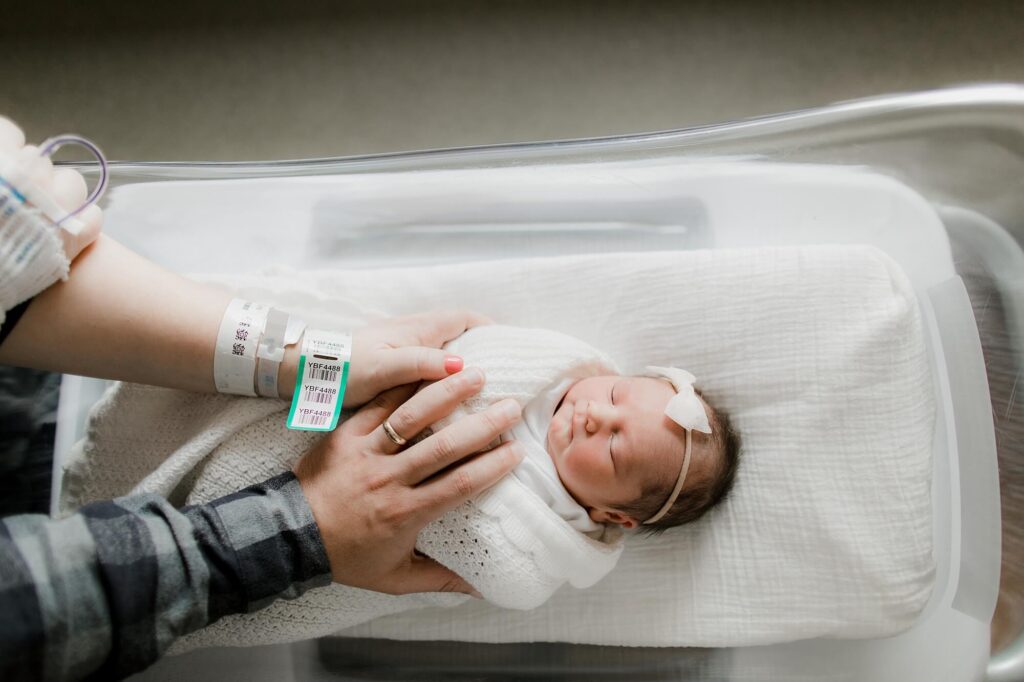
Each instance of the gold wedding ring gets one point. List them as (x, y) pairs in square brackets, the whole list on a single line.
[(390, 432)]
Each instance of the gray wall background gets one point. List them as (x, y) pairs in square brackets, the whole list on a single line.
[(194, 80)]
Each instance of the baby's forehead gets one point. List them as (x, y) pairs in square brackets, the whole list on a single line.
[(649, 391), (647, 398)]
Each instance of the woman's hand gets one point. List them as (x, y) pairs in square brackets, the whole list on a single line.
[(392, 352), (66, 186), (370, 498)]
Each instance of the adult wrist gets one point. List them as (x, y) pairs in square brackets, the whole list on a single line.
[(253, 342)]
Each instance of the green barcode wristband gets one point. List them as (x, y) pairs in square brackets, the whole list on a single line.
[(320, 381)]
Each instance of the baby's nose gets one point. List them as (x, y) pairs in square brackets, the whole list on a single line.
[(598, 416), (581, 416)]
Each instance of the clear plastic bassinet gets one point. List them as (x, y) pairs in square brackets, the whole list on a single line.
[(935, 179)]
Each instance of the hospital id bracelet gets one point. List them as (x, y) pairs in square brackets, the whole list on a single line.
[(320, 381), (281, 331), (234, 359)]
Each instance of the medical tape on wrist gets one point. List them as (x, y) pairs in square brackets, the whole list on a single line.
[(281, 331), (320, 381), (234, 360)]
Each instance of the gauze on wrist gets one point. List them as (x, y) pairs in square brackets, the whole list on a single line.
[(31, 253)]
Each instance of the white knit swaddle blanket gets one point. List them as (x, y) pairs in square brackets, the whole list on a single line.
[(507, 543)]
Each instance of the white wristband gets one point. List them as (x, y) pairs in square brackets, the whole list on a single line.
[(320, 381), (234, 360), (280, 331)]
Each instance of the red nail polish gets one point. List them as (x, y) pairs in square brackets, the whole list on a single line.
[(453, 364)]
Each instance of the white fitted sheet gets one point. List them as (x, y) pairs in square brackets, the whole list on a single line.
[(818, 354)]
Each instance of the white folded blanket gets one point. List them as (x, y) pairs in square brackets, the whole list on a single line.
[(507, 543), (817, 353)]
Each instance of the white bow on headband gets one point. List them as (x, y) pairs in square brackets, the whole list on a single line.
[(686, 407)]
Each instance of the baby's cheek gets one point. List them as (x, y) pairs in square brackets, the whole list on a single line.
[(581, 464), (567, 465), (552, 428)]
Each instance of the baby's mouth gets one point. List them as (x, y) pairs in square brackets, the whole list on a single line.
[(568, 431)]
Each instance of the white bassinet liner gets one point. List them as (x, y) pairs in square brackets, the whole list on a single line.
[(816, 352)]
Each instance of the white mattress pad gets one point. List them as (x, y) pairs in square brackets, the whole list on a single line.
[(816, 352)]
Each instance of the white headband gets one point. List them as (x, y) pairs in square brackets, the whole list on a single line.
[(686, 409)]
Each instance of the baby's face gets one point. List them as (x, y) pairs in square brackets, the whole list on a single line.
[(609, 437)]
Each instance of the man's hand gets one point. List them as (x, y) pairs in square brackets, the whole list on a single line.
[(371, 498), (393, 352), (65, 185)]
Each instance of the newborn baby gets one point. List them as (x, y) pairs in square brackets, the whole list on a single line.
[(627, 450)]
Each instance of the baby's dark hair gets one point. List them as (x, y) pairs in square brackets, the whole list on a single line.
[(707, 491)]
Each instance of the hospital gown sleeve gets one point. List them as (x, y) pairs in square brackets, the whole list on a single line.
[(104, 592)]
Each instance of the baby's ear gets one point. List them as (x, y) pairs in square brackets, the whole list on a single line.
[(611, 516)]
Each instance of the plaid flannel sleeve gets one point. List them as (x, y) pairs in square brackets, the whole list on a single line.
[(103, 593)]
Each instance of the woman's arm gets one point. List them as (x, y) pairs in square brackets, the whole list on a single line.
[(120, 316)]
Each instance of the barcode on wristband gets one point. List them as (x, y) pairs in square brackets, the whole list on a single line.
[(320, 395), (309, 417), (320, 384), (234, 361), (324, 372)]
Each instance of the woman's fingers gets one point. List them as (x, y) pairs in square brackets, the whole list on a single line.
[(453, 443), (404, 350), (32, 169), (411, 364), (417, 354), (11, 137), (41, 167), (437, 328), (92, 222), (469, 479), (375, 412), (429, 405), (69, 188)]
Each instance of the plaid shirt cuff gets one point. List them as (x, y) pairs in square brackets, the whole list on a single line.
[(103, 593), (264, 545)]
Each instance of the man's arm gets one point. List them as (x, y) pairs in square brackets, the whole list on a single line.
[(104, 592)]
